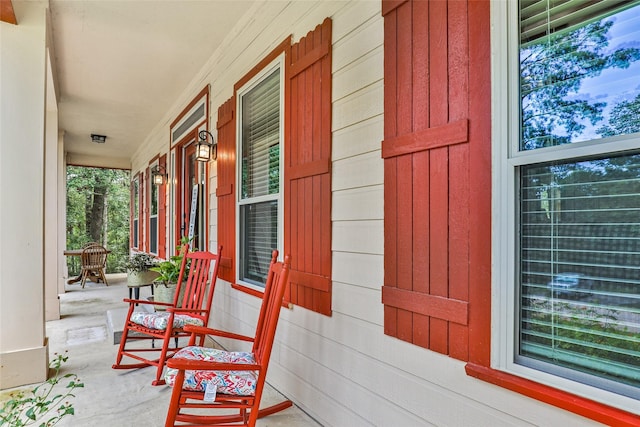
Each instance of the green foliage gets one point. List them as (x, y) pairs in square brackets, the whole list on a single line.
[(45, 403), (111, 188), (583, 329), (140, 261), (170, 269)]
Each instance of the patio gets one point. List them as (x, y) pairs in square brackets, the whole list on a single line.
[(110, 397)]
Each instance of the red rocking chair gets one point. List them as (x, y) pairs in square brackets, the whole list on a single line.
[(238, 377), (193, 309)]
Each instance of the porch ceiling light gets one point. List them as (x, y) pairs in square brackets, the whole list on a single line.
[(99, 139), (158, 175), (204, 150)]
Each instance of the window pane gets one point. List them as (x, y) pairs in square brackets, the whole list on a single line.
[(579, 71), (580, 270), (261, 138), (153, 234), (259, 237), (154, 198), (136, 200), (135, 233)]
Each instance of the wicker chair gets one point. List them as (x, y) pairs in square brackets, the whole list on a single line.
[(94, 262)]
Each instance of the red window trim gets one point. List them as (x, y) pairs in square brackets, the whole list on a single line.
[(256, 293), (247, 290), (176, 148), (578, 405)]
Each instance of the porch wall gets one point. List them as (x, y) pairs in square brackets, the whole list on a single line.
[(342, 369)]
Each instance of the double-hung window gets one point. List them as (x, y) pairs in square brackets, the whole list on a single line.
[(567, 195), (260, 139)]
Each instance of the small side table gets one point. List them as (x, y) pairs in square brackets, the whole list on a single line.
[(136, 289)]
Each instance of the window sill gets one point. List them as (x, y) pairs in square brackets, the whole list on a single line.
[(256, 293), (247, 290), (561, 399)]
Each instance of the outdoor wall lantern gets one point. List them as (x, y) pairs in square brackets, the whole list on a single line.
[(158, 174), (99, 139), (204, 150)]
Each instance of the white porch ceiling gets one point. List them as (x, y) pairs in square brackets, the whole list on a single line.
[(121, 64)]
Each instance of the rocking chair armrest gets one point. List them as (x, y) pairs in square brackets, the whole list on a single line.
[(140, 301), (202, 365), (186, 310), (202, 330)]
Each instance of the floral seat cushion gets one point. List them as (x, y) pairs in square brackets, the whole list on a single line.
[(240, 383), (159, 320)]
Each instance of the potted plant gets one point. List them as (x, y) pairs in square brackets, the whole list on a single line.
[(139, 268), (167, 279)]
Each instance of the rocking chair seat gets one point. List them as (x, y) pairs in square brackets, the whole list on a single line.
[(160, 320), (238, 383)]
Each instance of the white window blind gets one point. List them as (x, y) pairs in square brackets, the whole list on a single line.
[(540, 18), (260, 177), (580, 269)]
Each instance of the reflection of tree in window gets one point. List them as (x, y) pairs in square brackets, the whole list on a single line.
[(553, 67), (624, 119)]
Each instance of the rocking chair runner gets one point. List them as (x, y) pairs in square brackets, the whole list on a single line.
[(193, 309), (238, 376)]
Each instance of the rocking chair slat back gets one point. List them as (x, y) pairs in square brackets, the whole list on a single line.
[(194, 308), (188, 406), (195, 286)]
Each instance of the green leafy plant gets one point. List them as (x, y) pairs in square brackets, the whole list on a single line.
[(140, 261), (46, 403), (170, 269)]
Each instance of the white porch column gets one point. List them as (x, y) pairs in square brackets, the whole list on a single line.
[(23, 344)]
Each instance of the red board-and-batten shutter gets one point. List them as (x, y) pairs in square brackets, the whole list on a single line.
[(225, 192), (432, 176), (307, 174)]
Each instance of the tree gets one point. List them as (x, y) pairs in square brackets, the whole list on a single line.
[(98, 210)]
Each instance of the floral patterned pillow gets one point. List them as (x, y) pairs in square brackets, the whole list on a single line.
[(159, 320), (240, 383)]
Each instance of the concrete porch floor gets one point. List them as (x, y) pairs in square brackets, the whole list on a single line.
[(118, 397)]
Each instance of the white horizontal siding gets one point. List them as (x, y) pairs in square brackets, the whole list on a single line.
[(342, 369), (358, 171), (358, 269), (358, 139), (360, 203)]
